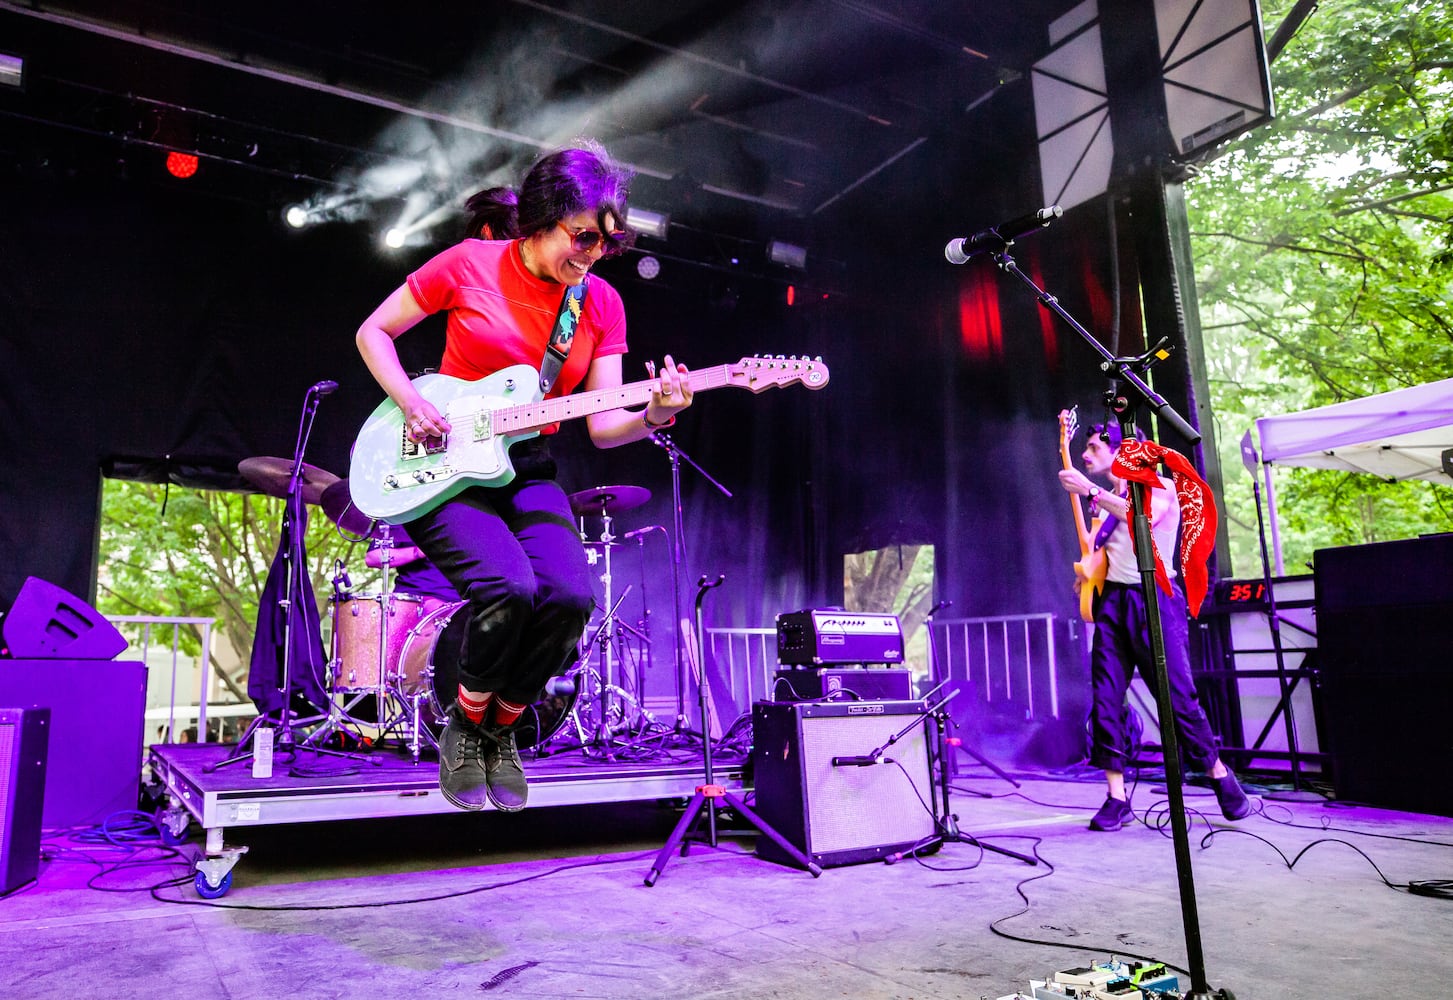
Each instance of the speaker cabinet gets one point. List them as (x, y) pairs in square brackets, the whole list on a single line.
[(24, 739), (97, 710), (1384, 631), (839, 815), (46, 622)]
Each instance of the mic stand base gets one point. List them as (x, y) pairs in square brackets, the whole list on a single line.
[(711, 798)]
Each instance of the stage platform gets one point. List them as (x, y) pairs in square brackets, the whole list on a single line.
[(386, 781)]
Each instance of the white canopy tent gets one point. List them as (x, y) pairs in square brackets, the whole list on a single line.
[(1394, 435)]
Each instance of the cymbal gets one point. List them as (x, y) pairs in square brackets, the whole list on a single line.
[(337, 503), (608, 498), (271, 475)]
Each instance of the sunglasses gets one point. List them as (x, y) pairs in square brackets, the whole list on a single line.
[(588, 239)]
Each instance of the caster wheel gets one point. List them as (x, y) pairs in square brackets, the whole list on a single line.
[(208, 891)]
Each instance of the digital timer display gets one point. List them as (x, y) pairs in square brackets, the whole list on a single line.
[(1241, 591)]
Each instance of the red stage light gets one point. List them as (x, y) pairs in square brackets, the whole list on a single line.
[(791, 294), (181, 165)]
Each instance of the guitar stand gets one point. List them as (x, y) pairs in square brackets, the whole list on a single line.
[(710, 796)]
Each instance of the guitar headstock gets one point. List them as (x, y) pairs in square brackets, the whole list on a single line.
[(1069, 423), (758, 373)]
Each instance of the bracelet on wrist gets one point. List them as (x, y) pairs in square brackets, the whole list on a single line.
[(646, 419)]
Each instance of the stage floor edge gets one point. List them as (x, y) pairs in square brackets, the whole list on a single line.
[(387, 782)]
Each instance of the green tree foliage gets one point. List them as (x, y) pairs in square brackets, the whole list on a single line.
[(197, 554), (1324, 250)]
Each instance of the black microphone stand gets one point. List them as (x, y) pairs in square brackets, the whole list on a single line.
[(1128, 370), (710, 795), (678, 559), (294, 527)]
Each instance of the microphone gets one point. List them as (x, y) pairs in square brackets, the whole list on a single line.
[(966, 248), (863, 761), (324, 387), (642, 531), (559, 687)]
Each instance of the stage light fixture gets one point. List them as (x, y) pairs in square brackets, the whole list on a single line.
[(12, 71), (395, 238), (181, 165), (648, 267), (653, 224), (787, 255), (295, 216)]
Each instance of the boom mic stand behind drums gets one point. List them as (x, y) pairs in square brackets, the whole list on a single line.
[(678, 559)]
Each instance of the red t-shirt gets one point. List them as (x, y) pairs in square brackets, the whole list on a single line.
[(500, 314)]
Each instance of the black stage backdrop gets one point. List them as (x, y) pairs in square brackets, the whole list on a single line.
[(171, 336)]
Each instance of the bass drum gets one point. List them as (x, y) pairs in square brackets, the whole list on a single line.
[(429, 666)]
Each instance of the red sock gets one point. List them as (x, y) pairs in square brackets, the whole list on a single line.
[(506, 712), (474, 705)]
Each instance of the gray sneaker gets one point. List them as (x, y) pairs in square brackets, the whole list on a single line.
[(505, 775), (463, 752)]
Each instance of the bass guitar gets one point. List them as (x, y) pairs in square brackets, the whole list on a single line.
[(395, 479), (1091, 569)]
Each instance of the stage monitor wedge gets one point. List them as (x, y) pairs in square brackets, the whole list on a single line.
[(49, 623)]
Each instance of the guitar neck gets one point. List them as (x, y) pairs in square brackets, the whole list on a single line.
[(1081, 531), (527, 417)]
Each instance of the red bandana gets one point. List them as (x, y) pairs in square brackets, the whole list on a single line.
[(1136, 461)]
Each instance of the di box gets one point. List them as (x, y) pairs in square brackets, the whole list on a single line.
[(840, 815)]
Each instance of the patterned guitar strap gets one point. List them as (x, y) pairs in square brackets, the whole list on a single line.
[(562, 337)]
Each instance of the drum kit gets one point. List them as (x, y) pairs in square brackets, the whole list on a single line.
[(393, 657)]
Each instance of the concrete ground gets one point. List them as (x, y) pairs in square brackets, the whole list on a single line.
[(551, 903)]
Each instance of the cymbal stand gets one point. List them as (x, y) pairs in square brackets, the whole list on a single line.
[(678, 559), (603, 736), (294, 525)]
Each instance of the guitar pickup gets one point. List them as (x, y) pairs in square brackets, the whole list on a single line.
[(419, 477), (483, 424), (411, 449)]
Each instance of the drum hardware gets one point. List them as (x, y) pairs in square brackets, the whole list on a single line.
[(612, 704)]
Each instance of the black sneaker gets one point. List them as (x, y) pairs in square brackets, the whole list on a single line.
[(1114, 814), (1233, 801), (505, 776), (463, 750)]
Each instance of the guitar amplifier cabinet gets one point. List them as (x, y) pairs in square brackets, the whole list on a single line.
[(835, 636), (24, 740), (808, 683), (840, 815)]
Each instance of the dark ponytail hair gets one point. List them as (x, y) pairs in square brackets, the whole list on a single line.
[(497, 208)]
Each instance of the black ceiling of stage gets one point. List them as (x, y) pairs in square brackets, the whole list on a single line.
[(736, 115)]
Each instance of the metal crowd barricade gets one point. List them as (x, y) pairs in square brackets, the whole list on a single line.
[(746, 659), (139, 630), (1007, 657)]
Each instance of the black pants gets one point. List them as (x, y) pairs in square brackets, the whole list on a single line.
[(1122, 643), (515, 554)]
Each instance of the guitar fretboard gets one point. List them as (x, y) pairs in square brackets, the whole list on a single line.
[(533, 416)]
